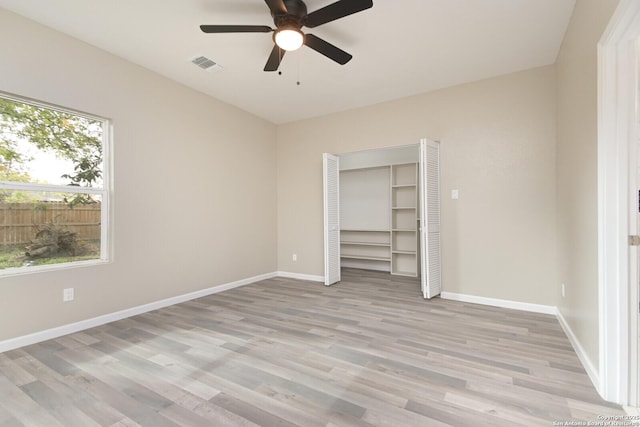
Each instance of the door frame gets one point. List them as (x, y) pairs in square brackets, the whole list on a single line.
[(617, 211), (327, 250)]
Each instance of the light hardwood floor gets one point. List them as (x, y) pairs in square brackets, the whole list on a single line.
[(368, 351)]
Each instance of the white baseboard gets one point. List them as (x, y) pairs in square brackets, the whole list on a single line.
[(588, 365), (300, 276), (516, 305), (59, 331)]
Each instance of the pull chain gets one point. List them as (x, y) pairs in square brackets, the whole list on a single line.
[(297, 67), (298, 82)]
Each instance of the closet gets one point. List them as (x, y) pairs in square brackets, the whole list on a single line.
[(379, 218), (382, 212)]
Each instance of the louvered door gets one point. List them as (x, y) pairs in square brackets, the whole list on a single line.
[(331, 186), (430, 243)]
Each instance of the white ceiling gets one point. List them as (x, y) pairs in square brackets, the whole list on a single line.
[(400, 48)]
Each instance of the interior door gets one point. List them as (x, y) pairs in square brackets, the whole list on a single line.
[(430, 243), (635, 201), (331, 190)]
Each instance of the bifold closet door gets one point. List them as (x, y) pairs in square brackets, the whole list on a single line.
[(331, 190), (430, 244)]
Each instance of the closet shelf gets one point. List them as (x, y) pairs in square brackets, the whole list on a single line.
[(365, 244), (363, 230), (404, 252), (370, 258), (405, 273)]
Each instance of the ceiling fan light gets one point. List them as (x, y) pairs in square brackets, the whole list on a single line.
[(289, 39)]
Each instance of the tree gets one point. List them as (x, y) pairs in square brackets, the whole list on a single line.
[(69, 136)]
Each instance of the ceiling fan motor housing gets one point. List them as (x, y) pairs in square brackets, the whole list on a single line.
[(295, 16)]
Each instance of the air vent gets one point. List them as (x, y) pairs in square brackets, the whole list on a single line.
[(206, 63)]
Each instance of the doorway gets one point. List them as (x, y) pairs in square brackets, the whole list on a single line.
[(618, 184), (635, 359), (388, 218)]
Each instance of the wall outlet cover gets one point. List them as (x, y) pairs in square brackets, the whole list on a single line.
[(68, 294)]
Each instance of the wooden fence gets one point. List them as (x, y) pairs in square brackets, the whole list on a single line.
[(19, 221)]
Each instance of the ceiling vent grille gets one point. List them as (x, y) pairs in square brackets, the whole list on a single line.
[(206, 63)]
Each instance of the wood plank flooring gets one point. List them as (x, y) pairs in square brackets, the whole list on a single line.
[(368, 351)]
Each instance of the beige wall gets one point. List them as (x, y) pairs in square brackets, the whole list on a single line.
[(216, 173), (497, 147), (195, 183), (577, 170)]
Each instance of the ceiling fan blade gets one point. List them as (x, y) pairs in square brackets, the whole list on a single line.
[(336, 10), (277, 7), (327, 49), (274, 59), (235, 29)]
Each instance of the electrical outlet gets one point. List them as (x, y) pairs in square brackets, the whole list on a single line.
[(562, 290), (455, 194), (67, 294), (294, 257)]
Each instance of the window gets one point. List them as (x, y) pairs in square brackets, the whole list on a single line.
[(53, 186)]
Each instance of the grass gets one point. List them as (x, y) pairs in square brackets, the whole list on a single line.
[(12, 256)]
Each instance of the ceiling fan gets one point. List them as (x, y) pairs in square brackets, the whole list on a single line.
[(289, 16)]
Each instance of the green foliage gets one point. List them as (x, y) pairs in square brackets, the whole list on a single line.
[(69, 136), (7, 174), (13, 257)]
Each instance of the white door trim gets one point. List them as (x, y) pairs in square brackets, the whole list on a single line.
[(617, 123)]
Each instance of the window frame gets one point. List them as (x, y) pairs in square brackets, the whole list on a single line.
[(104, 191)]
